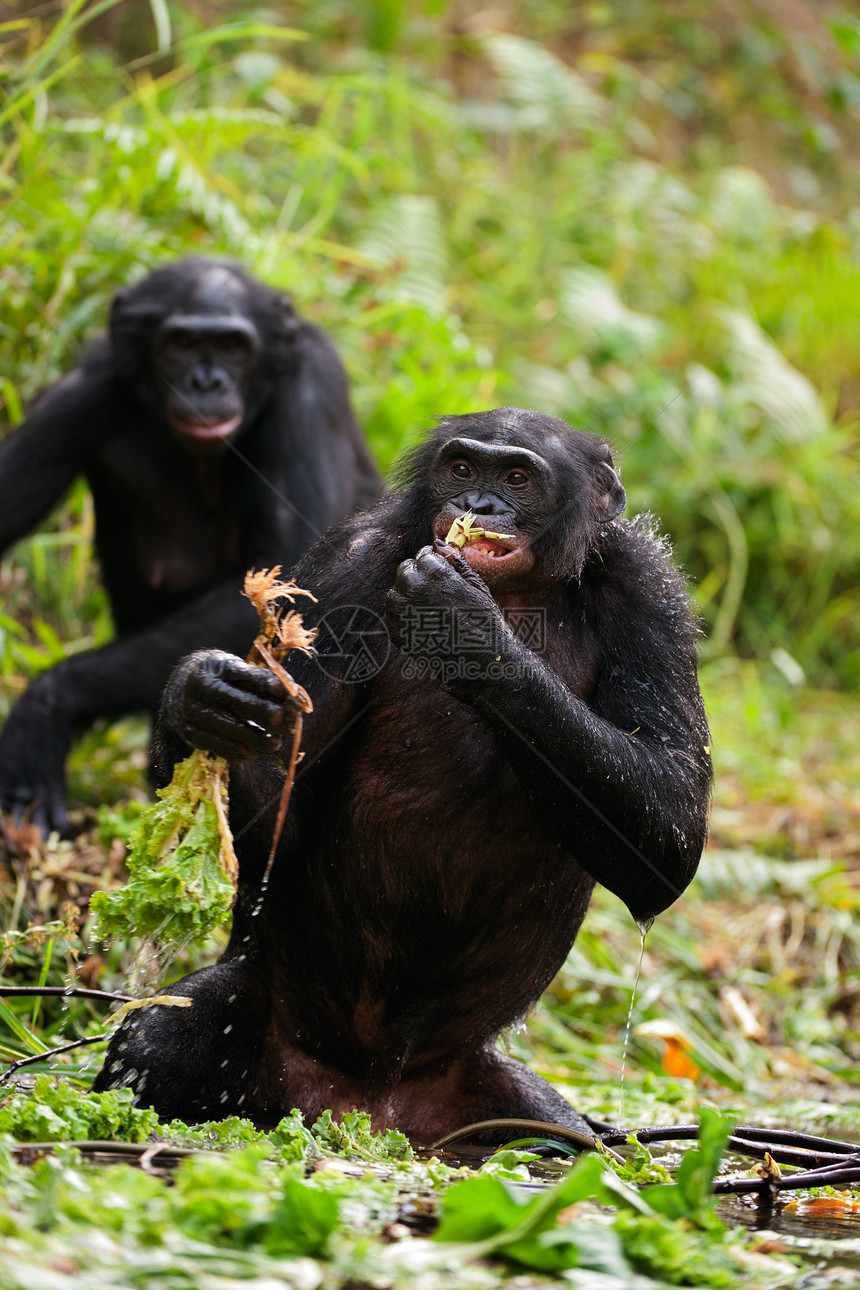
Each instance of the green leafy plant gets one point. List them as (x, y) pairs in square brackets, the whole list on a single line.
[(188, 892), (670, 1231), (59, 1110)]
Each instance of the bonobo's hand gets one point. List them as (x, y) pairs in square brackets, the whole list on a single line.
[(33, 749), (439, 606), (215, 701)]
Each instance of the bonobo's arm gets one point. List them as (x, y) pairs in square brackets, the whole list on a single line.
[(625, 781), (124, 676), (40, 459), (216, 701), (38, 462)]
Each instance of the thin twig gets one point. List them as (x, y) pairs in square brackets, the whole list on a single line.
[(286, 793), (838, 1162), (786, 1146), (842, 1176), (71, 992), (137, 1151), (670, 1133), (791, 1136), (785, 1155), (50, 1052)]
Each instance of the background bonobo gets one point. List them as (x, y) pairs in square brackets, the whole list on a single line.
[(443, 840), (199, 358)]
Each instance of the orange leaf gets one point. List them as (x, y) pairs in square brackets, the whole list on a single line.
[(676, 1061)]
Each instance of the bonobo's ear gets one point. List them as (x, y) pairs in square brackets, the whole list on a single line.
[(288, 315), (116, 307), (608, 492)]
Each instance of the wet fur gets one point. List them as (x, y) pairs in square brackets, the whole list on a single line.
[(436, 864)]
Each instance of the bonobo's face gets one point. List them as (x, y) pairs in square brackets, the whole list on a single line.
[(204, 359), (510, 491)]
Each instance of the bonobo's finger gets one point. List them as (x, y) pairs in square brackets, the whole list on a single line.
[(48, 811), (216, 701), (238, 739), (428, 568), (429, 558), (213, 668), (403, 570), (238, 674), (37, 799), (220, 732), (215, 694), (40, 807), (456, 560), (223, 682)]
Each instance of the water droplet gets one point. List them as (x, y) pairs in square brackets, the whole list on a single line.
[(644, 927)]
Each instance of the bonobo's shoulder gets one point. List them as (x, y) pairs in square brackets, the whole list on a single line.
[(311, 345), (632, 562), (98, 359), (365, 548), (89, 383), (636, 541)]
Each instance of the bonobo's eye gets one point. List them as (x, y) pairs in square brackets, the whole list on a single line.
[(181, 339), (460, 470), (516, 479), (232, 344)]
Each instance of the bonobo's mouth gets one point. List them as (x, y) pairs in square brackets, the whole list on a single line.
[(492, 548), (486, 554), (202, 432)]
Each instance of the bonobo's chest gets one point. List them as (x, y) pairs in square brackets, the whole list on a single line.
[(431, 764), (172, 516)]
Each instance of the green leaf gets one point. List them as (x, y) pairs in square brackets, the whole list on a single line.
[(302, 1221), (53, 1112), (488, 1214), (477, 1209), (177, 888), (690, 1195)]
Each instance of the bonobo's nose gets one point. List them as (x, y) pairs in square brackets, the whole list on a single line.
[(208, 380), (481, 503)]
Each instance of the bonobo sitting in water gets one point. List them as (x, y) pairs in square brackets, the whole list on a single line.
[(532, 726)]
